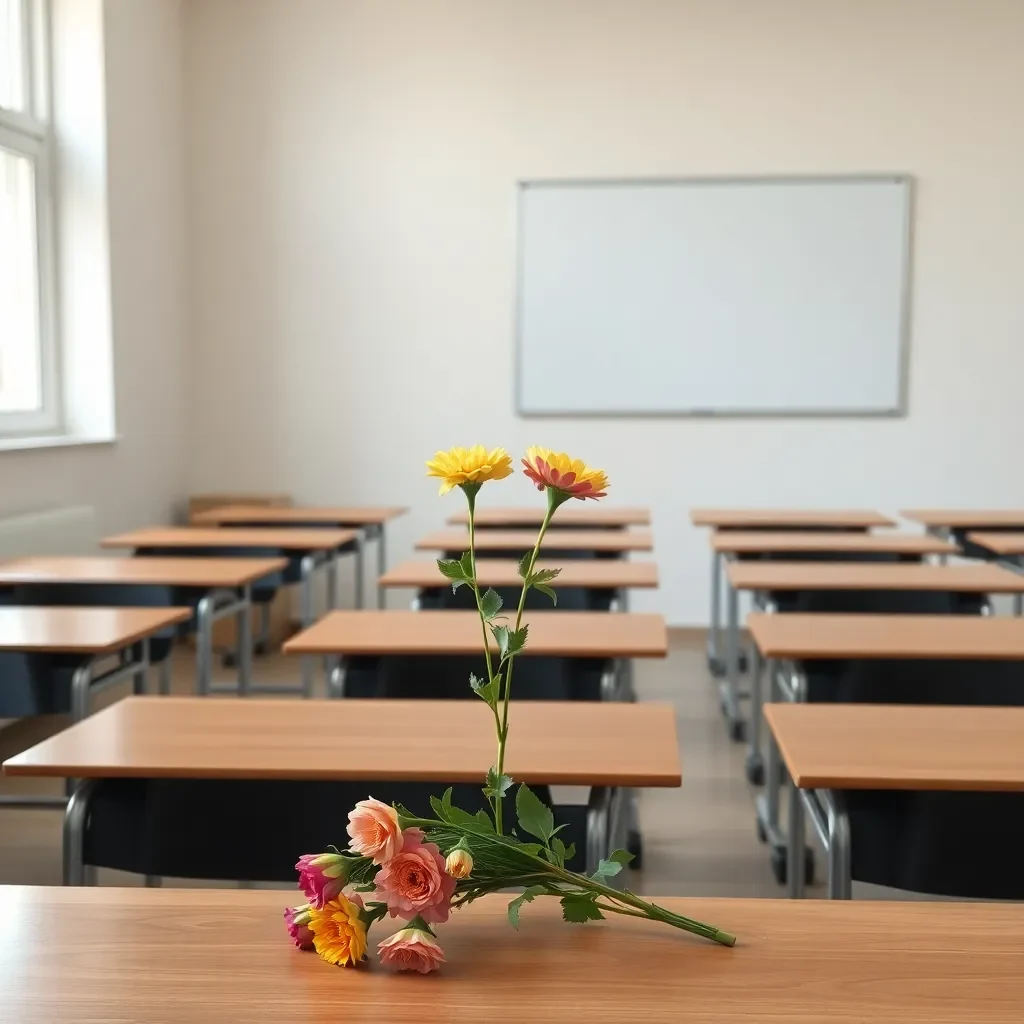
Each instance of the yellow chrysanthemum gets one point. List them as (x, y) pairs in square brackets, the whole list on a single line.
[(339, 934), (469, 465), (572, 477)]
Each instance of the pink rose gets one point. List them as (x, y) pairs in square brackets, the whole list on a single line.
[(414, 881), (374, 829), (321, 876), (297, 922), (411, 949)]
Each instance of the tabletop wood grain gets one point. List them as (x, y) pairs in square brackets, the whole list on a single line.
[(269, 515), (892, 746), (524, 540), (601, 573), (572, 743), (767, 542), (966, 518), (178, 572), (767, 518), (798, 636), (1000, 543), (781, 576), (558, 634), (606, 516), (82, 630), (196, 537), (209, 956)]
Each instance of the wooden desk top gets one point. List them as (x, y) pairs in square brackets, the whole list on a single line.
[(558, 634), (523, 540), (82, 630), (805, 637), (572, 743), (767, 518), (966, 518), (1000, 543), (767, 542), (600, 516), (269, 515), (769, 576), (196, 537), (496, 572), (893, 746), (178, 572), (203, 956)]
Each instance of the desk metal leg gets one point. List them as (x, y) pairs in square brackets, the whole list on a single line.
[(755, 762), (331, 572), (1018, 604), (245, 644), (840, 851), (204, 645), (80, 682), (795, 843), (164, 681), (360, 568), (598, 814), (308, 566), (74, 833), (382, 566), (140, 679), (715, 663), (729, 689)]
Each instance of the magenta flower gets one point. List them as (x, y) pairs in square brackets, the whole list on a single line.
[(321, 876), (296, 920)]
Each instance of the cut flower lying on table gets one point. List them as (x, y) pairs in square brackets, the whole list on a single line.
[(420, 869)]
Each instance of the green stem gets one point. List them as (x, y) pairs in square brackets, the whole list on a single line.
[(471, 500), (555, 498)]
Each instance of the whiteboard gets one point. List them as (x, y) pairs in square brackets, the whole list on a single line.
[(756, 296)]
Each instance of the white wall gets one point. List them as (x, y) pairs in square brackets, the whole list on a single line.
[(351, 170), (139, 478)]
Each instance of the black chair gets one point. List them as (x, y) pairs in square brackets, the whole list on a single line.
[(942, 843)]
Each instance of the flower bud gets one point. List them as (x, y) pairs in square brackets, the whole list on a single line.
[(459, 863)]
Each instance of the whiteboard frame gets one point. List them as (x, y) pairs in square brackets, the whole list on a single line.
[(903, 366)]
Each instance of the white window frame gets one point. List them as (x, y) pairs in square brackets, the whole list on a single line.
[(29, 133)]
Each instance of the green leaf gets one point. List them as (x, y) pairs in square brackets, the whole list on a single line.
[(545, 589), (534, 849), (516, 642), (483, 819), (501, 635), (534, 815), (466, 563), (558, 851), (527, 896), (524, 564), (439, 809), (490, 604), (451, 568), (622, 857), (570, 852), (613, 865), (579, 908), (496, 787), (542, 576), (487, 692)]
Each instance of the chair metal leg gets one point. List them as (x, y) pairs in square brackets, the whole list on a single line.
[(204, 645), (598, 813), (840, 850), (795, 843), (75, 820)]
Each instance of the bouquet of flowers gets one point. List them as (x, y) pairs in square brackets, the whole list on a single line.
[(418, 869)]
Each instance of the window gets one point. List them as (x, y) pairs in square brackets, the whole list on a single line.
[(29, 385)]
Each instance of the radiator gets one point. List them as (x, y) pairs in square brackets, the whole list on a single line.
[(52, 531)]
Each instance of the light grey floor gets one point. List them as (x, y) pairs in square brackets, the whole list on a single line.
[(699, 840)]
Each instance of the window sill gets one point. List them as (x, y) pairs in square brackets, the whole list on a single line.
[(13, 444)]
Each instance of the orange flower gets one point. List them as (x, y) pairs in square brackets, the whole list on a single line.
[(339, 933), (572, 477)]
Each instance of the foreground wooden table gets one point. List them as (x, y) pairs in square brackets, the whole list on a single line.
[(223, 586), (601, 517), (179, 956), (371, 521), (829, 748), (553, 633), (601, 542)]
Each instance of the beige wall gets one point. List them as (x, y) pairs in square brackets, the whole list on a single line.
[(352, 165), (138, 478)]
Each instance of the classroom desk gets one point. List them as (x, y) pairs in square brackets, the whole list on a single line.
[(224, 583), (603, 517), (603, 574), (370, 521), (786, 642), (308, 551), (602, 543), (608, 746), (165, 955), (778, 519), (94, 635), (831, 748), (1008, 547), (767, 578)]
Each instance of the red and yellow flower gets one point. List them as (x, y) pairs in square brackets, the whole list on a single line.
[(572, 477)]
